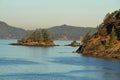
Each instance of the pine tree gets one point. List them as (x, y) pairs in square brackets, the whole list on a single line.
[(38, 36), (46, 36), (41, 39), (87, 37), (112, 37)]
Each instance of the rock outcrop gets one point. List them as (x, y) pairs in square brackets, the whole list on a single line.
[(105, 43), (74, 44)]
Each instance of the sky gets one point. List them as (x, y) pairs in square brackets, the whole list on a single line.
[(32, 14)]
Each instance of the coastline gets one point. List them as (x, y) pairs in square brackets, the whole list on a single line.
[(34, 45)]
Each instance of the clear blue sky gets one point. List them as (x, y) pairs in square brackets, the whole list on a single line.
[(31, 14)]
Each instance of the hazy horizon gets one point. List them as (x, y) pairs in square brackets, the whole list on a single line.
[(32, 14)]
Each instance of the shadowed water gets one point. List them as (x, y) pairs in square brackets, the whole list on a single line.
[(53, 63)]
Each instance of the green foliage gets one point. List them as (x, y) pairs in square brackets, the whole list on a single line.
[(38, 36), (22, 40), (112, 37), (115, 12), (74, 42), (45, 35), (107, 16), (87, 37), (103, 31)]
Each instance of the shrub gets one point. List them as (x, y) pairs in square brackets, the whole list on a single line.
[(87, 37), (112, 37)]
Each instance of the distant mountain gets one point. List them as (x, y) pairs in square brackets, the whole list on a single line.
[(10, 32), (63, 32), (70, 32)]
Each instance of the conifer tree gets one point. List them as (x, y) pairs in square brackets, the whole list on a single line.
[(112, 37), (46, 35), (87, 37)]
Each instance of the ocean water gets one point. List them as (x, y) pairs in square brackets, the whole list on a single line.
[(53, 63)]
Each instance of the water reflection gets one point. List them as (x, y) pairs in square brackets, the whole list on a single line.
[(38, 51)]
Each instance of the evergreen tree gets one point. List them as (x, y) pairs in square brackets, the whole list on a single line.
[(112, 37), (38, 36), (87, 37), (46, 36), (41, 39)]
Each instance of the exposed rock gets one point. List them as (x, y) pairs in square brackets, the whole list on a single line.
[(74, 44), (105, 43)]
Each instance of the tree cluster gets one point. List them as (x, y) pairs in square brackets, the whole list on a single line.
[(37, 36)]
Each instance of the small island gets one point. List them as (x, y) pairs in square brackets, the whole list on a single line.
[(37, 38), (105, 43), (74, 44)]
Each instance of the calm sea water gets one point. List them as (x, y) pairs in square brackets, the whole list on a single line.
[(53, 63)]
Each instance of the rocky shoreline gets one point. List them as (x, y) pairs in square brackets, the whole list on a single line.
[(37, 38), (103, 54), (105, 43), (34, 44), (73, 44)]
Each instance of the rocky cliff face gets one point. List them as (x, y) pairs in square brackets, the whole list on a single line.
[(105, 42)]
